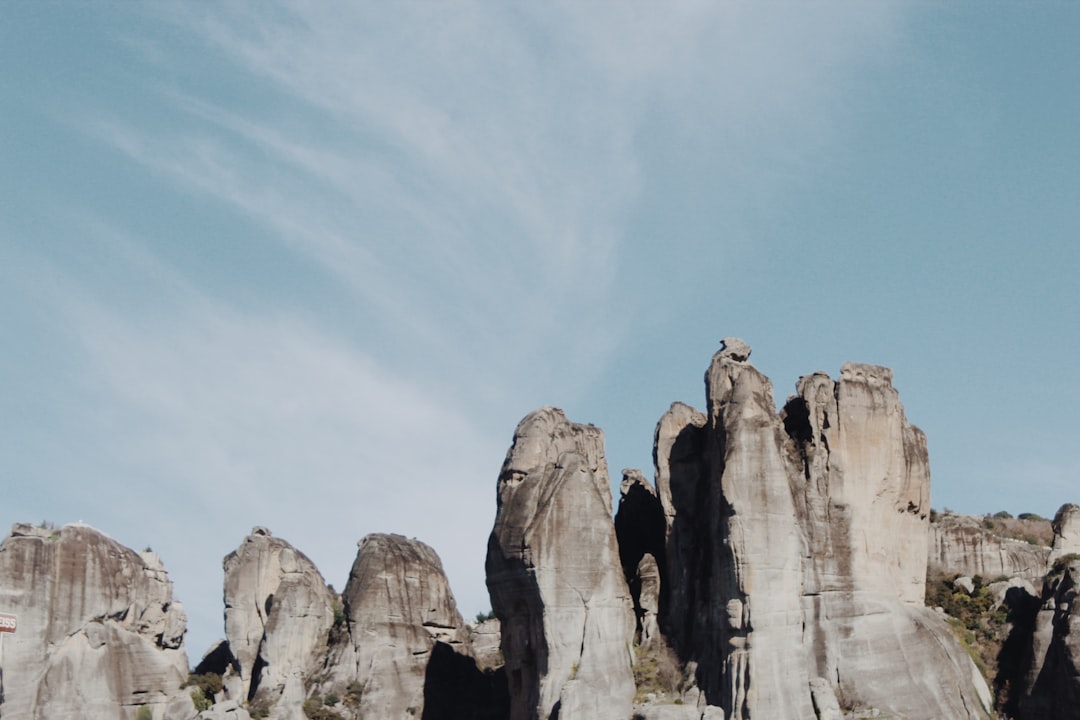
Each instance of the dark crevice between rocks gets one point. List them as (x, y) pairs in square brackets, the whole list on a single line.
[(456, 689)]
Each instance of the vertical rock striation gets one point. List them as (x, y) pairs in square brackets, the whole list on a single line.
[(404, 631), (99, 634), (960, 545), (278, 615), (554, 576), (800, 567)]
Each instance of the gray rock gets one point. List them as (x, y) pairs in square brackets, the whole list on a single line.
[(960, 545), (485, 639), (404, 629), (1051, 686), (666, 712), (1066, 532), (964, 583), (797, 550), (278, 616), (554, 575), (732, 348), (99, 632)]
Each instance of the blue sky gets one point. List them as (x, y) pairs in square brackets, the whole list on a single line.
[(305, 265)]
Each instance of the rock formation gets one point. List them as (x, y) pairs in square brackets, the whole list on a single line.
[(554, 576), (776, 569), (960, 545), (278, 616), (99, 634), (1066, 532), (804, 563), (1051, 685), (404, 632)]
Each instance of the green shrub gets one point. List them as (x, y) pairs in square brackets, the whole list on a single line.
[(1003, 515), (207, 686), (484, 616), (354, 693), (200, 701), (1029, 516), (144, 713)]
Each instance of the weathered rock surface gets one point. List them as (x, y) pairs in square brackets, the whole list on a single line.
[(405, 634), (99, 633), (554, 575), (485, 639), (278, 615), (803, 552), (960, 545), (1066, 532), (1051, 683)]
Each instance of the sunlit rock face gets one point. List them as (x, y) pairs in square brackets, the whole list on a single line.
[(99, 634), (799, 569), (960, 545), (404, 631), (554, 574), (278, 615)]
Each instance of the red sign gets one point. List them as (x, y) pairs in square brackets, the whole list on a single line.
[(7, 623)]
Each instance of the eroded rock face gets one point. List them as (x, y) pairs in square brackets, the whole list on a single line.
[(402, 619), (797, 573), (554, 575), (1066, 531), (278, 615), (99, 633), (960, 545), (1051, 684)]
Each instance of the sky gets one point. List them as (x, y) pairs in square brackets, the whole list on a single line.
[(305, 265)]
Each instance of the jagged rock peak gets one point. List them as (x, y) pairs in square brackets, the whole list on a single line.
[(789, 535), (634, 478), (1066, 531), (99, 632), (555, 579), (734, 349)]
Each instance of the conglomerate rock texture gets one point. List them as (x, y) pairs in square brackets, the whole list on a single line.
[(99, 634), (555, 579)]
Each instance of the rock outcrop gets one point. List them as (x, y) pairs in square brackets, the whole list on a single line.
[(278, 616), (99, 633), (1066, 532), (960, 545), (1051, 683), (554, 575), (803, 556), (405, 639)]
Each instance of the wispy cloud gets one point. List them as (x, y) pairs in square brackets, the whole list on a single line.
[(461, 176), (213, 420)]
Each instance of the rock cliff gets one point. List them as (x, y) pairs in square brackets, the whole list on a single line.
[(776, 569), (961, 545), (278, 615), (1051, 685), (405, 644), (797, 580), (555, 579), (99, 634)]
